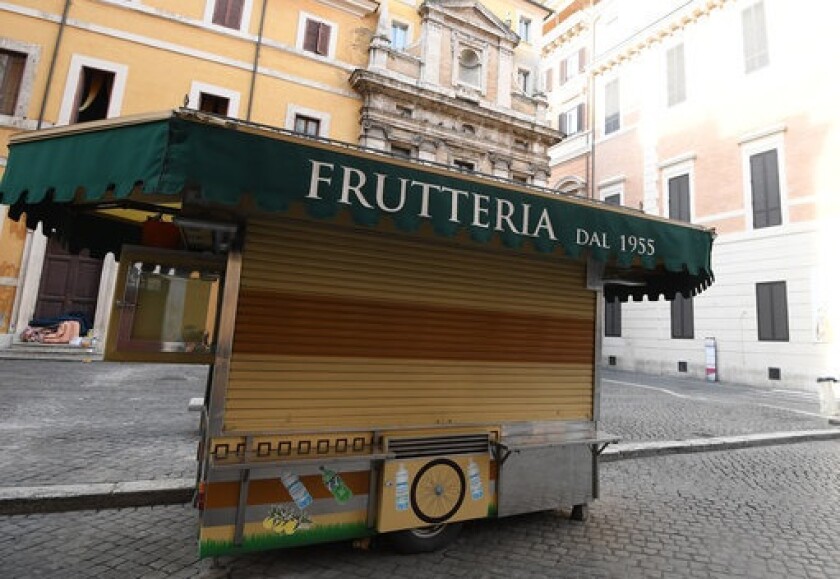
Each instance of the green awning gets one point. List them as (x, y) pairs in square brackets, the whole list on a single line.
[(204, 160)]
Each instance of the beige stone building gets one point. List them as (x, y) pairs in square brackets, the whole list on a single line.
[(716, 112), (444, 81)]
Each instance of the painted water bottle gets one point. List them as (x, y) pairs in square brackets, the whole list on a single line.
[(474, 472), (402, 488), (335, 485), (296, 489)]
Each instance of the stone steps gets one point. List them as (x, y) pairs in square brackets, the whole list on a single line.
[(35, 351)]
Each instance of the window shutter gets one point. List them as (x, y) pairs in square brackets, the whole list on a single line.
[(310, 39), (220, 12), (675, 69), (772, 311), (234, 16), (581, 112), (766, 194), (323, 39), (581, 60), (228, 13), (780, 313), (676, 319), (612, 111), (10, 80), (754, 37), (563, 75), (612, 321), (764, 308), (679, 202), (773, 193), (682, 317), (759, 191)]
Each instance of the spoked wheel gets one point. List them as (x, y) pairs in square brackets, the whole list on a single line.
[(438, 491)]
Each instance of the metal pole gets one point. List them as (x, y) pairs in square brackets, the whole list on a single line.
[(51, 70), (256, 63)]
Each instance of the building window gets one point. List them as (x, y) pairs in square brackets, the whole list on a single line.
[(679, 198), (675, 70), (469, 67), (94, 90), (682, 318), (612, 199), (612, 319), (549, 80), (523, 80), (211, 103), (525, 29), (679, 208), (756, 54), (766, 193), (464, 165), (401, 151), (94, 97), (399, 36), (772, 311), (572, 65), (213, 99), (572, 121), (317, 37), (12, 65), (228, 13), (307, 125), (612, 107), (521, 179)]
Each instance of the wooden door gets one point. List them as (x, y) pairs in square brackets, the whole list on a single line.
[(69, 283)]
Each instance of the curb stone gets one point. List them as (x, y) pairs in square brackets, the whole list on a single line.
[(61, 498), (622, 451)]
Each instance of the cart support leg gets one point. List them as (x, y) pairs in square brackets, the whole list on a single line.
[(580, 512)]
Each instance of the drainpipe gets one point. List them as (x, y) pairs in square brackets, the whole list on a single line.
[(256, 63), (590, 86), (51, 70)]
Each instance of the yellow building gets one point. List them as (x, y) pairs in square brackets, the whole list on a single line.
[(442, 81)]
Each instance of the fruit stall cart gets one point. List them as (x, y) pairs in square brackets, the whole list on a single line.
[(395, 346)]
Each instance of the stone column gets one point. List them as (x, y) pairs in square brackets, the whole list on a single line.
[(431, 53), (505, 77), (31, 270)]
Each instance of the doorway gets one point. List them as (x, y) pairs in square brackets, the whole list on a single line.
[(69, 283)]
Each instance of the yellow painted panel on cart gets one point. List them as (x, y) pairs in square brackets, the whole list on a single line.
[(419, 492)]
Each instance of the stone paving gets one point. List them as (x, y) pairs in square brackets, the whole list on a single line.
[(68, 423), (762, 513), (673, 409), (72, 423)]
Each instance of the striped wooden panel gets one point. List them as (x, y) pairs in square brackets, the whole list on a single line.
[(338, 328), (274, 393), (292, 257)]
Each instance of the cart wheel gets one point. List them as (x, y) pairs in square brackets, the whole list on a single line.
[(438, 491), (424, 539)]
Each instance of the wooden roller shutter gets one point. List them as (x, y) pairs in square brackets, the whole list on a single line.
[(340, 327)]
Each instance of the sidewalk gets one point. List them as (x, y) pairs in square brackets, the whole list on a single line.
[(106, 435)]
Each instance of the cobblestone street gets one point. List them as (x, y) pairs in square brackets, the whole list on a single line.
[(757, 512), (762, 513)]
